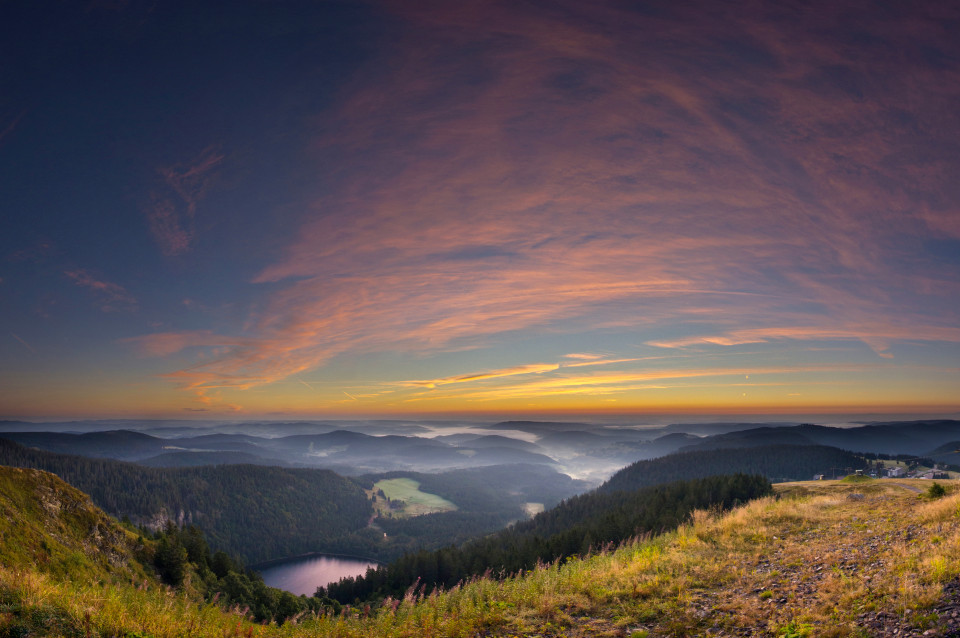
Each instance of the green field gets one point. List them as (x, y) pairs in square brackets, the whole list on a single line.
[(415, 502)]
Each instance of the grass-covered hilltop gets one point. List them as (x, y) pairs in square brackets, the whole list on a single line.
[(825, 558)]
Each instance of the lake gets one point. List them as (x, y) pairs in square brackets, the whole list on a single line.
[(303, 575)]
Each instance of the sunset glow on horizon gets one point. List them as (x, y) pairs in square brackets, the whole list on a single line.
[(309, 210)]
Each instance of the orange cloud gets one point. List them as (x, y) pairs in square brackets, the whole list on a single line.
[(622, 382), (533, 368), (603, 362)]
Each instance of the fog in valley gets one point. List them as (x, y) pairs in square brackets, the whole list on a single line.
[(588, 451), (585, 451)]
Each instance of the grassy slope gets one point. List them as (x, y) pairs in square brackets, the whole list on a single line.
[(47, 525), (814, 560)]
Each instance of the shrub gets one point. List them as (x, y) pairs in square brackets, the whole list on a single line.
[(936, 491)]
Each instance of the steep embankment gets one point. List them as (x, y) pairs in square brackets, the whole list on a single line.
[(55, 543), (50, 527)]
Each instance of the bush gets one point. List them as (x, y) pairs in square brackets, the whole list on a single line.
[(936, 491)]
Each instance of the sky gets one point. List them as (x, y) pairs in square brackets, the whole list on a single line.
[(312, 209)]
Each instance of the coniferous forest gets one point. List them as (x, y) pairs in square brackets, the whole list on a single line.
[(220, 578)]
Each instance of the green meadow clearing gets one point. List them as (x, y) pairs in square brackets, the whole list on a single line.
[(414, 501)]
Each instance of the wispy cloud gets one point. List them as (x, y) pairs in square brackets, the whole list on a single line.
[(172, 228), (24, 343), (604, 362), (36, 253), (521, 370), (171, 218), (878, 337), (626, 382), (559, 174), (113, 297), (166, 343), (533, 368)]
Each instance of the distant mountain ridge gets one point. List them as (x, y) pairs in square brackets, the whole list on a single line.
[(345, 450), (776, 462), (898, 437), (583, 450)]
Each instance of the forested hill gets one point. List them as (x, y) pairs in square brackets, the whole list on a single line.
[(572, 528), (254, 512), (776, 462)]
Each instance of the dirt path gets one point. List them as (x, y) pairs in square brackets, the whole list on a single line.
[(850, 543), (908, 487)]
